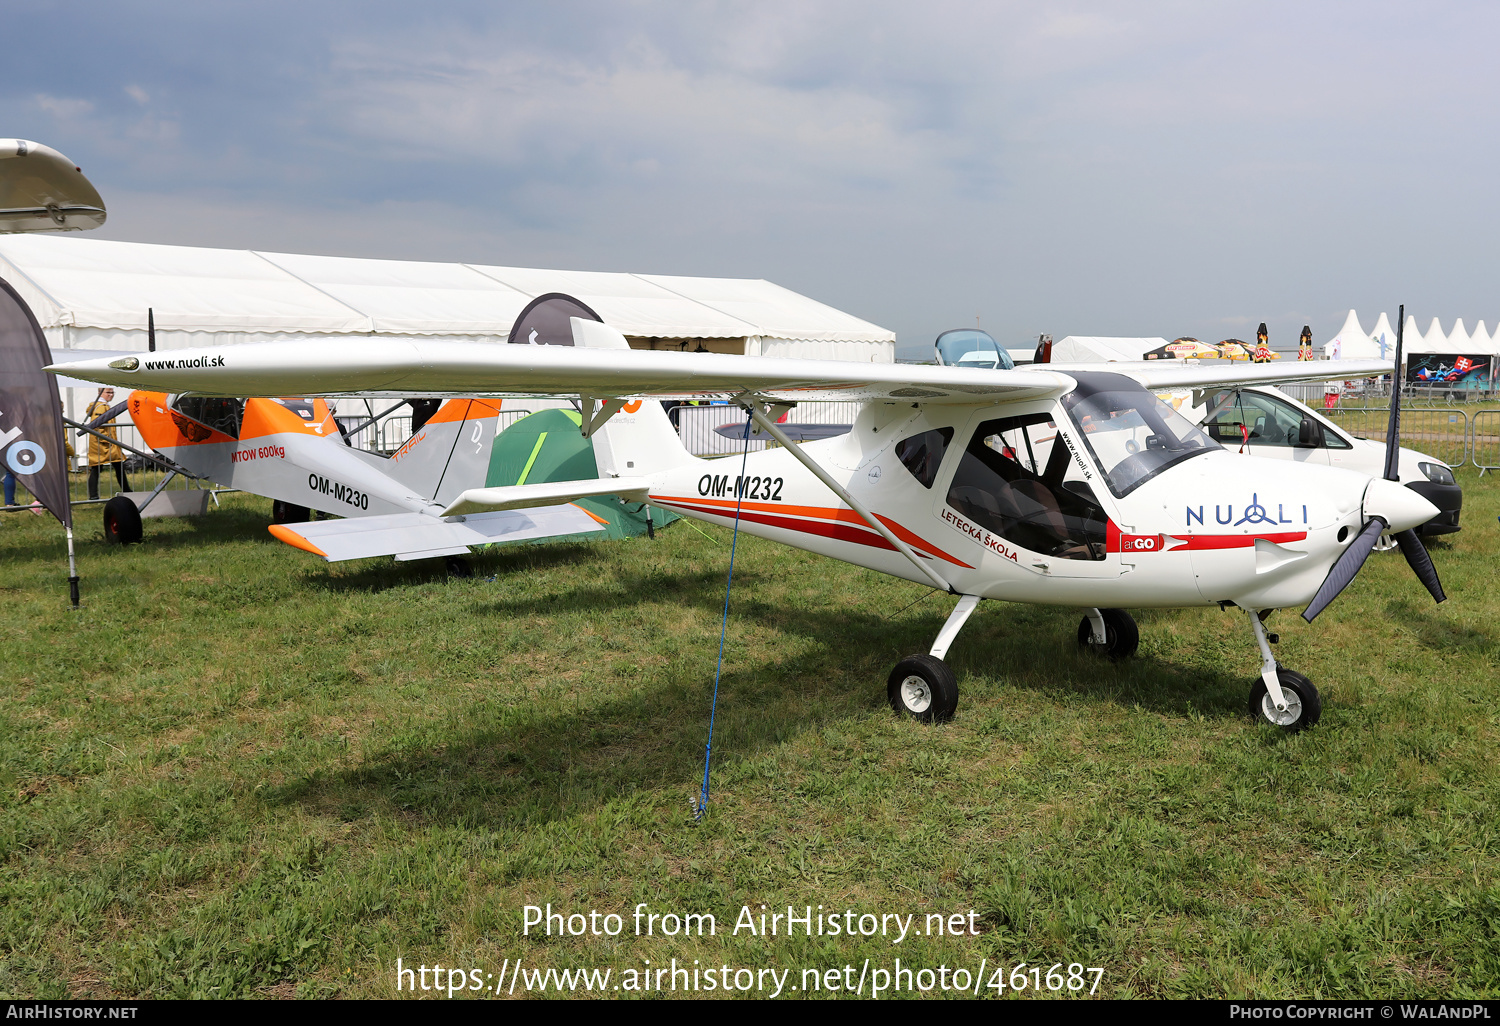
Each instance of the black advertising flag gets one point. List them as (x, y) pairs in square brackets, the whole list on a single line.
[(31, 429)]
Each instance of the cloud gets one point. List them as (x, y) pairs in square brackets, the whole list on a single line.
[(64, 109), (1074, 167)]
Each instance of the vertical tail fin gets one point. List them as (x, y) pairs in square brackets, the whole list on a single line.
[(451, 452), (639, 440)]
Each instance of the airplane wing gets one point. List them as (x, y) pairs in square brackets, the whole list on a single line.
[(403, 367), (417, 367), (418, 536), (64, 356), (1162, 374), (43, 191)]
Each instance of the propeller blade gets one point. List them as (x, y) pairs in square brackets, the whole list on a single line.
[(1421, 563), (1345, 568), (1393, 427)]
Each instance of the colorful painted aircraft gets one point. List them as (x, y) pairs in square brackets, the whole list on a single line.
[(291, 451), (1062, 487)]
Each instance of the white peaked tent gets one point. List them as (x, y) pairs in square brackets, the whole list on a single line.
[(1351, 342), (1480, 341), (1435, 341), (1458, 338), (1384, 333), (1412, 335)]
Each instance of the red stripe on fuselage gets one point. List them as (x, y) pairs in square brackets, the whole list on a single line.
[(823, 528)]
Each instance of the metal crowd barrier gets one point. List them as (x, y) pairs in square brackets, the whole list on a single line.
[(1443, 433), (390, 433), (1484, 440)]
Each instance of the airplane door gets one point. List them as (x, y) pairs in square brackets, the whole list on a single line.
[(1015, 490)]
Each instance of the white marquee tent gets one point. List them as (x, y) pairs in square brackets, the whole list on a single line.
[(92, 294), (1102, 349)]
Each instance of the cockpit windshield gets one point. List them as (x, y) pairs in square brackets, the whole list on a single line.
[(970, 347), (300, 406), (1131, 433)]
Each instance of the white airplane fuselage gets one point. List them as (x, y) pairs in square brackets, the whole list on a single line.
[(1214, 527)]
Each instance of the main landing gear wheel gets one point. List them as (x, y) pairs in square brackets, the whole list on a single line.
[(922, 687), (283, 512), (1122, 637), (1303, 703), (122, 521), (458, 567)]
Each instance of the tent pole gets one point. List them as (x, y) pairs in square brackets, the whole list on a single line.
[(72, 570)]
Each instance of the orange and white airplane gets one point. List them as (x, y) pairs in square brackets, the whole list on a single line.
[(291, 450)]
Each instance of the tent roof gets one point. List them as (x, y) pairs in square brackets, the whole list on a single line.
[(1458, 338), (1480, 341), (1097, 348), (1353, 343), (1383, 327), (109, 285)]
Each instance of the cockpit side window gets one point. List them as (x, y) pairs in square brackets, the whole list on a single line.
[(1010, 482), (923, 454), (193, 413)]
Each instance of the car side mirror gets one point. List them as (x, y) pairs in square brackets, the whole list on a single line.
[(1310, 434)]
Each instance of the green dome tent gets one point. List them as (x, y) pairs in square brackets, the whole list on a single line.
[(549, 446)]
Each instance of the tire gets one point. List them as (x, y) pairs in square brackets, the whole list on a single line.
[(122, 521), (1122, 637), (458, 566), (924, 688), (1304, 704), (283, 512)]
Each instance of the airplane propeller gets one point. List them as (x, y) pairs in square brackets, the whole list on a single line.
[(1347, 565)]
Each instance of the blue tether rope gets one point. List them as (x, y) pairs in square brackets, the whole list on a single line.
[(708, 749)]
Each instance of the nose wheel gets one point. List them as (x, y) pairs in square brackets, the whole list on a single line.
[(1281, 697), (1120, 638)]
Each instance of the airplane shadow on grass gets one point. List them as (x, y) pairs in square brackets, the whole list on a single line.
[(529, 762)]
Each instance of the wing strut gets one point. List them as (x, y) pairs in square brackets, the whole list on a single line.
[(767, 424)]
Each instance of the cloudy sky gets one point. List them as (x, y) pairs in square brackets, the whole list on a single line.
[(1155, 168)]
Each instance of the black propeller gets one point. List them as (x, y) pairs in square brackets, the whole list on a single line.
[(1354, 556)]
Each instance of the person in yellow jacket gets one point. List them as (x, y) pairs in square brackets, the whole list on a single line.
[(102, 452)]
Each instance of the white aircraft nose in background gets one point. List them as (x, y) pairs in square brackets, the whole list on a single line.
[(43, 191)]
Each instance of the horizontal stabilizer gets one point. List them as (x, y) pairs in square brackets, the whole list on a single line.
[(417, 535), (524, 496)]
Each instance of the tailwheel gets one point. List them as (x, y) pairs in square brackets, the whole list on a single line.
[(924, 688), (283, 512), (122, 521), (1303, 703), (1121, 636)]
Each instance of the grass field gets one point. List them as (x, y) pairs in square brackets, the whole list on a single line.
[(239, 771)]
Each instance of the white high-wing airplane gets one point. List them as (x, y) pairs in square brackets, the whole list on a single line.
[(1075, 488), (43, 191)]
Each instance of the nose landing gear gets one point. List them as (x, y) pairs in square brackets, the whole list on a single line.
[(1111, 633), (1281, 697)]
